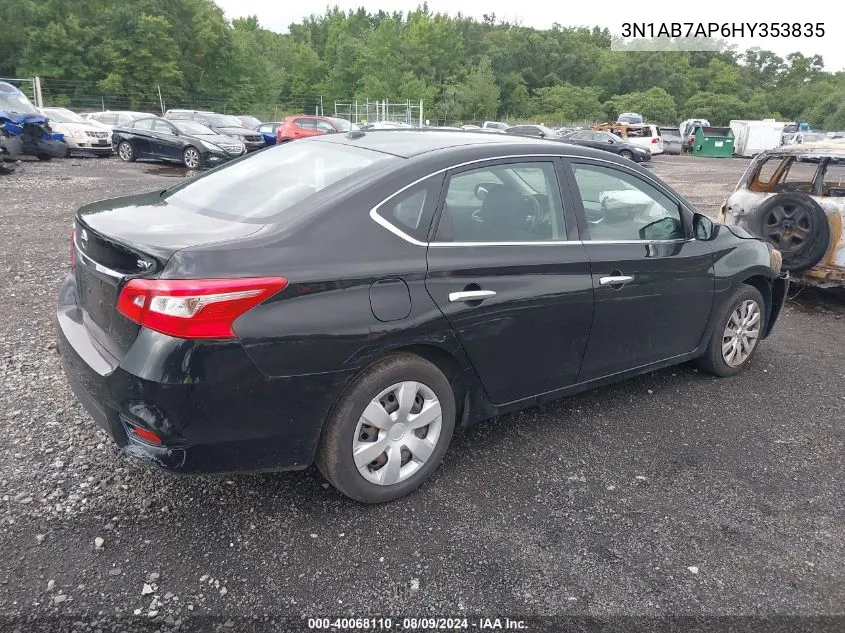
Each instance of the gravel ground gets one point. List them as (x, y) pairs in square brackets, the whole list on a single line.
[(672, 493)]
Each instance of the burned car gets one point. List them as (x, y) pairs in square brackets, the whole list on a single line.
[(794, 197)]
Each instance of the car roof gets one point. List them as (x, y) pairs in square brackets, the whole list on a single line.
[(818, 148), (410, 143)]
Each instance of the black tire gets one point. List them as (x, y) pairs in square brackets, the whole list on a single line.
[(797, 226), (126, 152), (188, 161), (713, 361), (626, 154), (334, 455), (44, 157)]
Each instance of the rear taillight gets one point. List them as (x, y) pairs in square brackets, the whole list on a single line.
[(194, 308), (655, 140), (73, 248)]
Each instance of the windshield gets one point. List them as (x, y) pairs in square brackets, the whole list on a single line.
[(222, 120), (11, 100), (63, 116), (615, 137), (251, 121), (262, 185), (191, 127)]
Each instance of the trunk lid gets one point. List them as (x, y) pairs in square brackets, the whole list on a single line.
[(135, 236)]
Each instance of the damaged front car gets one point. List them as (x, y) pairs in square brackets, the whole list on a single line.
[(23, 130), (794, 198)]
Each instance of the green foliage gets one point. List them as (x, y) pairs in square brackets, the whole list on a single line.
[(655, 104), (122, 52), (568, 103)]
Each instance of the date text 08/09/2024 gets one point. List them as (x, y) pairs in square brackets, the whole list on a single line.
[(416, 624), (723, 29)]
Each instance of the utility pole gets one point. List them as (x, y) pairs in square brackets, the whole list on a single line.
[(39, 101), (160, 100)]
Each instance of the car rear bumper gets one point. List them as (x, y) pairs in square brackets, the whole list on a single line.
[(213, 410)]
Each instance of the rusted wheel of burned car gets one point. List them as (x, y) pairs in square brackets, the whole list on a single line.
[(797, 226)]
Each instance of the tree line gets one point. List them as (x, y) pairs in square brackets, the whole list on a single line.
[(462, 68)]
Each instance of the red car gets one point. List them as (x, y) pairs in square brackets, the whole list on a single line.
[(303, 125)]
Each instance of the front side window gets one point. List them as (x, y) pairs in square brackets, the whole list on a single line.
[(509, 202), (162, 127), (260, 187), (324, 126), (622, 207)]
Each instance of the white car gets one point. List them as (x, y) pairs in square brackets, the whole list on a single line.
[(110, 119), (82, 137), (646, 136)]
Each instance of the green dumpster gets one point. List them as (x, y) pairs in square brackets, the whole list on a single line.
[(713, 141)]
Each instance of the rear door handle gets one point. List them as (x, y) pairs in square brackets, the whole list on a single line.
[(471, 295), (614, 280)]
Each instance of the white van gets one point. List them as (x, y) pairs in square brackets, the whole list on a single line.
[(647, 136)]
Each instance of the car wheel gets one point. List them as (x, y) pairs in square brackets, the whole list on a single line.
[(626, 154), (126, 151), (44, 157), (191, 158), (797, 226), (389, 430), (737, 333)]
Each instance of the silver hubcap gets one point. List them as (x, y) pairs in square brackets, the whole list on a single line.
[(125, 151), (397, 433), (192, 159), (741, 333)]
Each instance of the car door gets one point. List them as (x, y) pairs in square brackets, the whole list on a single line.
[(142, 132), (653, 282), (164, 142), (514, 281), (303, 127)]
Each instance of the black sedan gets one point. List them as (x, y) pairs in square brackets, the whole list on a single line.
[(352, 299), (186, 142), (608, 142), (603, 141)]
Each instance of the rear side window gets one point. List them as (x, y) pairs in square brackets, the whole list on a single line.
[(765, 173), (144, 124), (412, 210), (305, 124), (799, 176), (260, 186)]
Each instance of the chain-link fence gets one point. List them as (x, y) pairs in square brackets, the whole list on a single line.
[(88, 96)]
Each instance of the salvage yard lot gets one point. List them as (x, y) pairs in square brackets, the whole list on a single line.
[(674, 492)]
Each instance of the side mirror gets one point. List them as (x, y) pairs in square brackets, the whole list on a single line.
[(662, 229), (703, 228), (541, 134)]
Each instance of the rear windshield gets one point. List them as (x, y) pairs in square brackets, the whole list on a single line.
[(262, 185)]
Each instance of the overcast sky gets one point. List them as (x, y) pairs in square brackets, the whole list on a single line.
[(277, 15)]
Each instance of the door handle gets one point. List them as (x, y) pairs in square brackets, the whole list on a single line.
[(471, 295), (615, 280)]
